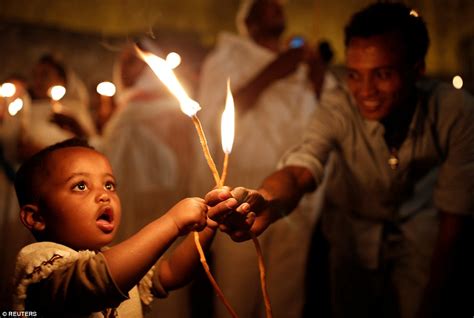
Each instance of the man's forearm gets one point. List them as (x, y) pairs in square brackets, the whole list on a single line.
[(285, 188)]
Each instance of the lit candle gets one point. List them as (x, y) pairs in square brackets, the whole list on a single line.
[(173, 59), (7, 90), (162, 69), (227, 140), (56, 93), (15, 106), (106, 90), (164, 72), (227, 131), (14, 101)]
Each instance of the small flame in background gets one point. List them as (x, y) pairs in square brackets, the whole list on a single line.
[(56, 92), (173, 59), (15, 106), (7, 90), (458, 82), (106, 89), (414, 13)]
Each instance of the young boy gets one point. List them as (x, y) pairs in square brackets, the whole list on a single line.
[(68, 199)]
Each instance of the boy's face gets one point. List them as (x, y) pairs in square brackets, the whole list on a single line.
[(378, 75), (78, 199)]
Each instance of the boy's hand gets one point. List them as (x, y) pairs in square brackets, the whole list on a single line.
[(222, 204), (189, 214)]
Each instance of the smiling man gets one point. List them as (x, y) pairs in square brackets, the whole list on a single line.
[(397, 154)]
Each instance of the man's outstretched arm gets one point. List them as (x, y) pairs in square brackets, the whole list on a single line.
[(278, 196)]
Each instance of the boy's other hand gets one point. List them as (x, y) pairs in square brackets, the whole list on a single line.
[(189, 214)]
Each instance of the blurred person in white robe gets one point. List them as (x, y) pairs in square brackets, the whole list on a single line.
[(48, 127), (32, 128), (148, 142), (274, 97), (14, 118)]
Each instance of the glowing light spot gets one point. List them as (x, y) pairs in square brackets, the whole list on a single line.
[(173, 59), (15, 106), (7, 90), (106, 89), (457, 82), (57, 92), (414, 13)]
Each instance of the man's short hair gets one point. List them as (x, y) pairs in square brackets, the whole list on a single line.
[(383, 18), (30, 175)]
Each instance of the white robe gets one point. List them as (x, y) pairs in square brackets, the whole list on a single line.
[(147, 142), (262, 135)]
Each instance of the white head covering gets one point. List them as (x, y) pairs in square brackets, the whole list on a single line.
[(242, 13)]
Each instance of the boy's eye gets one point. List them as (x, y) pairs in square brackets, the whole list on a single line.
[(80, 186), (110, 186)]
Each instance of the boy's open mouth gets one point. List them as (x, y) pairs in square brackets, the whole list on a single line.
[(105, 220)]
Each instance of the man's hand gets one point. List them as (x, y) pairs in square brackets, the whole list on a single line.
[(245, 214)]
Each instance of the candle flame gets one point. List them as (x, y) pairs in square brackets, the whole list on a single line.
[(162, 69), (228, 122), (106, 89), (457, 82), (7, 90), (57, 92), (15, 106)]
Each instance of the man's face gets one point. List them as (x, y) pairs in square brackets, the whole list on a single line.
[(79, 203), (44, 76), (271, 19), (378, 75)]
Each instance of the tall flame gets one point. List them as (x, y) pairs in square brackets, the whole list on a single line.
[(228, 122), (162, 69)]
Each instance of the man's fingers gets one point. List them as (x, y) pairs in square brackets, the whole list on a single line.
[(217, 195), (222, 209)]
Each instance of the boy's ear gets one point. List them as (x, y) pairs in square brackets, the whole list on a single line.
[(31, 217)]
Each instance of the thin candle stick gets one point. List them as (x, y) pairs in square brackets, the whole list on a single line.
[(263, 284), (224, 169), (217, 179), (261, 263), (205, 149), (219, 292), (189, 107)]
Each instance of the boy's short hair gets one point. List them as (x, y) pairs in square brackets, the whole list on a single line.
[(29, 176), (383, 18)]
